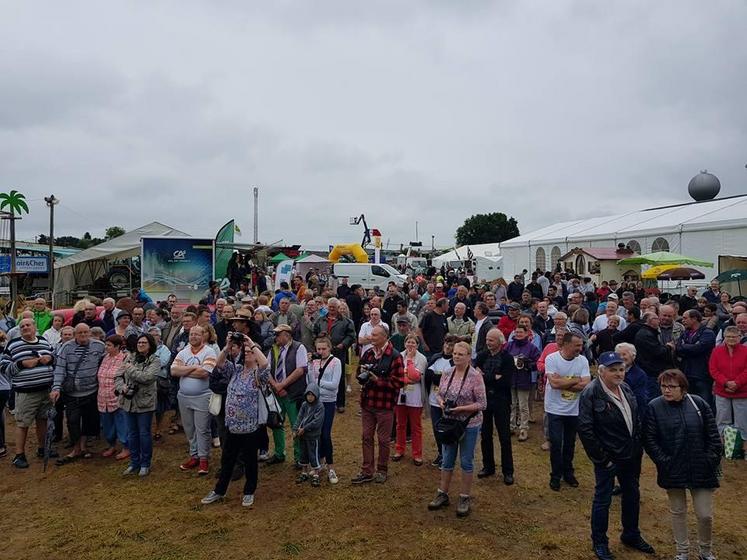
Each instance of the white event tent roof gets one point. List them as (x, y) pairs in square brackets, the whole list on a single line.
[(723, 213), (461, 253)]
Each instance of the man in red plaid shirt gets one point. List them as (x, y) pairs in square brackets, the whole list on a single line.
[(386, 376)]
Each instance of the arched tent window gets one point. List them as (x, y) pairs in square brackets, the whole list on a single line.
[(554, 257), (659, 244), (634, 246), (541, 259)]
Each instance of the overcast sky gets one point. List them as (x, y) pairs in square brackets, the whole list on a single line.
[(417, 110)]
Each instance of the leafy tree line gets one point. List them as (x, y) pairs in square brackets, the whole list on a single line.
[(487, 228), (83, 242)]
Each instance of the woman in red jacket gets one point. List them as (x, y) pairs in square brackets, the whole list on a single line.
[(728, 367)]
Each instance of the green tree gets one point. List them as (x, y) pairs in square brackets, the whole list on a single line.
[(113, 231), (14, 201), (487, 228)]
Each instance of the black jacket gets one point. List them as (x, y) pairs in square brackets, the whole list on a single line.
[(628, 333), (482, 335), (491, 365), (653, 357), (602, 427), (694, 350), (683, 442)]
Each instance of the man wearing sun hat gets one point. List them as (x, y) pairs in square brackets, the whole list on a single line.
[(609, 427), (288, 364)]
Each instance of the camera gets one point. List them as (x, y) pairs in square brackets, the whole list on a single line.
[(130, 391), (237, 338), (316, 356), (364, 375), (449, 405)]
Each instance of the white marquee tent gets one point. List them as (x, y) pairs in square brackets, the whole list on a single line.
[(460, 254), (709, 230), (81, 269)]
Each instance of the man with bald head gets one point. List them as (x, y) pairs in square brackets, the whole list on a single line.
[(498, 370), (75, 380), (28, 363), (379, 394), (669, 329)]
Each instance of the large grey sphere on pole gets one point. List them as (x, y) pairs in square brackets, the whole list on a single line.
[(704, 186)]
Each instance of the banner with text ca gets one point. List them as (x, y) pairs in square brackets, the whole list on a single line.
[(178, 265)]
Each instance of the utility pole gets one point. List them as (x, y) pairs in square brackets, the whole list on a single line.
[(51, 202), (256, 215)]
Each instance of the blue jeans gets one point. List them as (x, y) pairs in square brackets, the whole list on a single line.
[(139, 438), (114, 425), (325, 441), (628, 472), (436, 414), (466, 449), (562, 431)]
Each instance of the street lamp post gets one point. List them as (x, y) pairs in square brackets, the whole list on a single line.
[(51, 202)]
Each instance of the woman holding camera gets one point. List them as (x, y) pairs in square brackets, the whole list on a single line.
[(682, 439), (245, 378), (462, 398), (135, 383)]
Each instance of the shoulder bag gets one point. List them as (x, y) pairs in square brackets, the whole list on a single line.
[(68, 383)]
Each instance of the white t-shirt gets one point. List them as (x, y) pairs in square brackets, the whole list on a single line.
[(191, 386), (601, 322), (366, 330), (560, 402), (441, 365)]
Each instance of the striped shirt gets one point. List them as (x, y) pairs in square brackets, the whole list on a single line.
[(25, 379), (206, 358), (85, 380), (106, 399)]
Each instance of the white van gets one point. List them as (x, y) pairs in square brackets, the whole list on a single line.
[(369, 275)]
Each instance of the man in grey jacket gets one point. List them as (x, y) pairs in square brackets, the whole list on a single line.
[(75, 379)]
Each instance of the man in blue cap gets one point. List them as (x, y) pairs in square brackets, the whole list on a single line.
[(609, 425)]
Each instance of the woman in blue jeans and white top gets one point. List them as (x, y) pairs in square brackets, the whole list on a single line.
[(461, 396), (325, 370)]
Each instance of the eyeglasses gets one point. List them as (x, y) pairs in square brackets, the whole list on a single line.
[(669, 387)]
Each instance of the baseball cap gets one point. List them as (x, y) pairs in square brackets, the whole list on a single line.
[(609, 358), (514, 305), (402, 320), (612, 296), (283, 328)]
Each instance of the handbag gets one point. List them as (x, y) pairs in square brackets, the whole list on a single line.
[(215, 403), (732, 443), (68, 383), (271, 414), (449, 430)]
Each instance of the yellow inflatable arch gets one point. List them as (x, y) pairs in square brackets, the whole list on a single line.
[(350, 249)]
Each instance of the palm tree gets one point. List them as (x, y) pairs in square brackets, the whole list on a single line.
[(16, 204), (15, 201)]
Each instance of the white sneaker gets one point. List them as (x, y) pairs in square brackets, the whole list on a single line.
[(681, 557), (349, 390), (247, 500), (332, 477), (144, 471), (216, 442), (263, 457), (212, 498)]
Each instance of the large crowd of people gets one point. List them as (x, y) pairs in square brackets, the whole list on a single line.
[(624, 369)]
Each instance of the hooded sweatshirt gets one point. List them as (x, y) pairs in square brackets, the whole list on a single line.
[(311, 415)]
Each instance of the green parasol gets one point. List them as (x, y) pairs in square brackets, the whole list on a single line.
[(664, 257)]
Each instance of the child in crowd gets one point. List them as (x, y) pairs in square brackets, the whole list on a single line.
[(308, 429)]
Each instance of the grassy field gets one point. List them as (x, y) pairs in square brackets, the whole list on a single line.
[(87, 511)]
